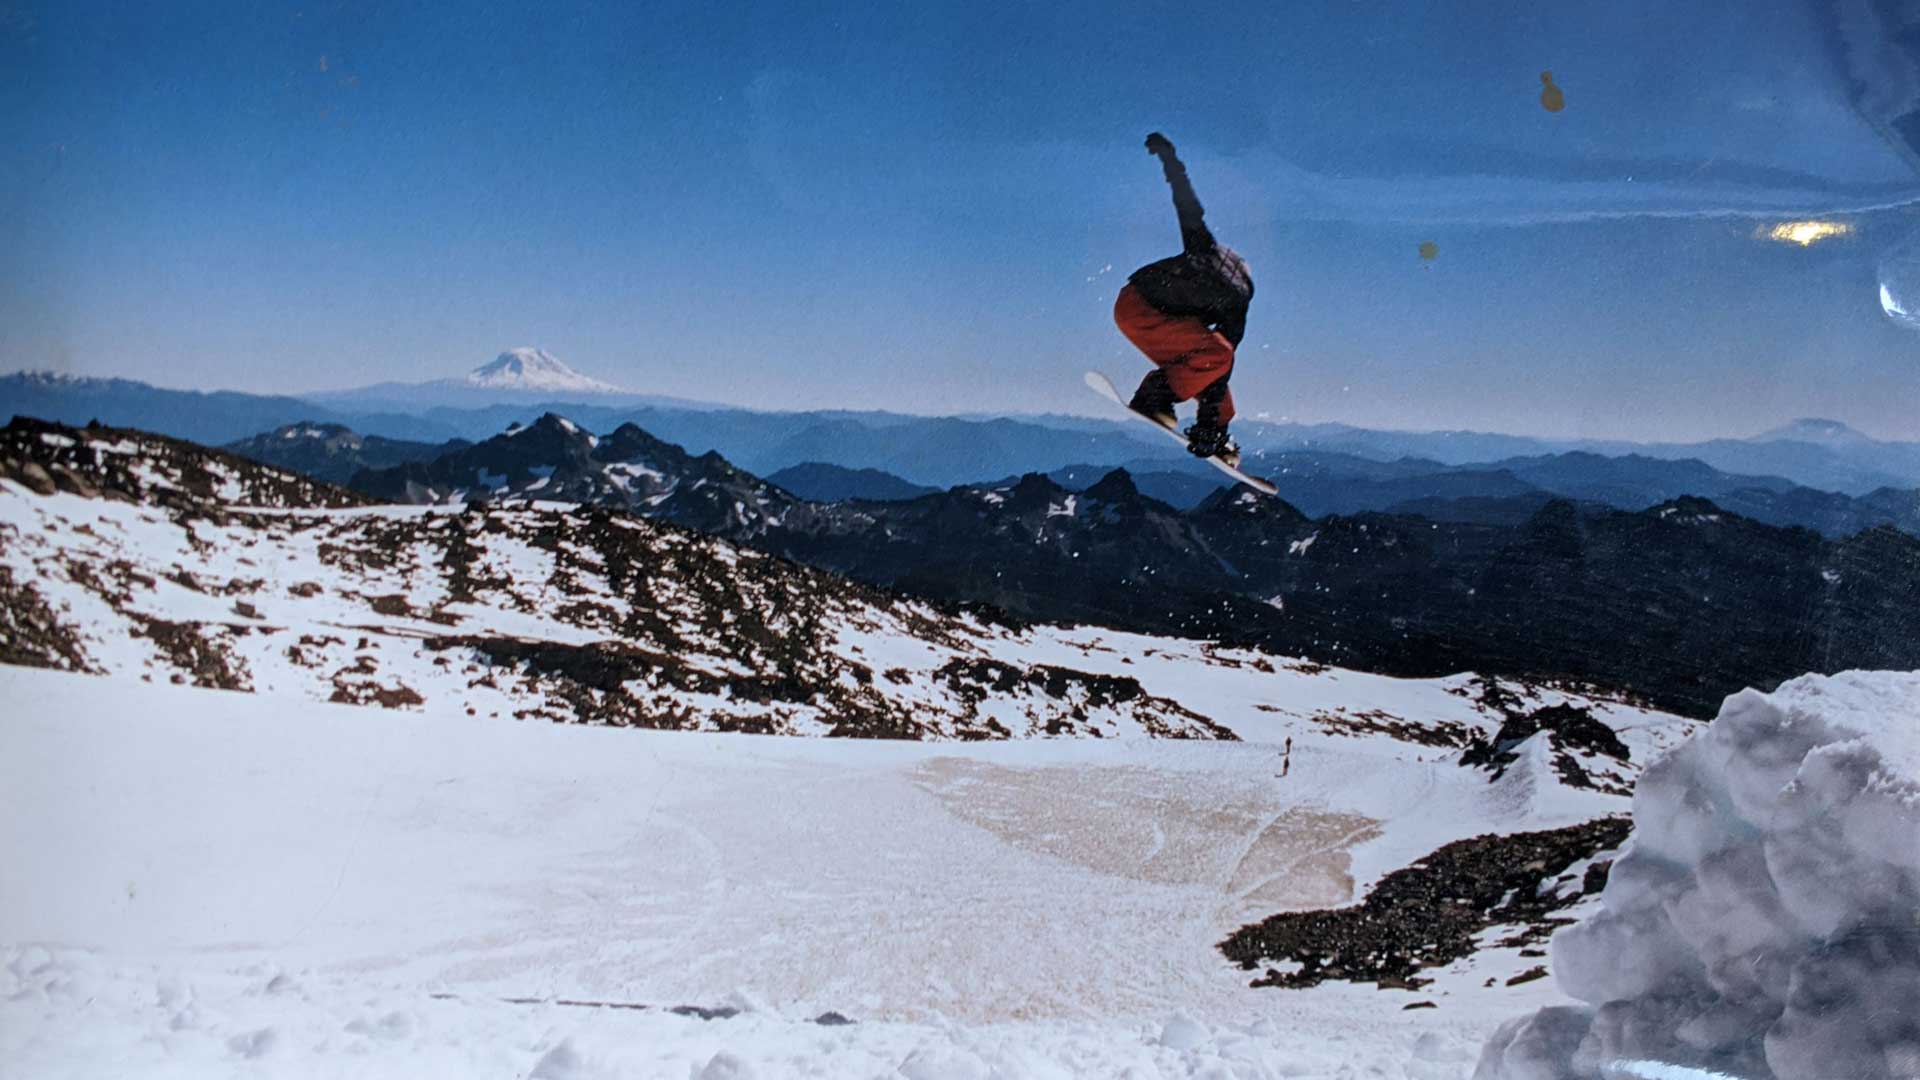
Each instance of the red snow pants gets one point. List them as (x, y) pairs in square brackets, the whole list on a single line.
[(1190, 356)]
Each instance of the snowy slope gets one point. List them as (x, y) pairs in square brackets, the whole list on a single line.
[(581, 615), (226, 880), (362, 864)]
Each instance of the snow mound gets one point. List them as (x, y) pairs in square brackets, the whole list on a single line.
[(1764, 920), (534, 369)]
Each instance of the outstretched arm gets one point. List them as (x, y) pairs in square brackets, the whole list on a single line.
[(1194, 234)]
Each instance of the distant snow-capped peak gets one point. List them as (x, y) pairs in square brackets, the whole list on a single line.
[(533, 369), (1815, 430)]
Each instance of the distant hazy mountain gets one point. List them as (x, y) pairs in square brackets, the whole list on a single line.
[(1820, 454), (941, 452), (333, 452), (1815, 431), (1824, 454), (819, 482), (1445, 447), (1827, 512), (208, 418), (1631, 482), (936, 451), (1506, 492)]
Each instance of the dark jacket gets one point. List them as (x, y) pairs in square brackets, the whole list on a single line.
[(1207, 280)]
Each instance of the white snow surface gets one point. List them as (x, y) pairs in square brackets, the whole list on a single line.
[(534, 369), (1764, 920), (204, 882)]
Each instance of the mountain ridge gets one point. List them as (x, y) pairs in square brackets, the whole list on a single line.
[(936, 451), (1539, 594)]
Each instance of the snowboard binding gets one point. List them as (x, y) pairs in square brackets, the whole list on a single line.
[(1208, 441)]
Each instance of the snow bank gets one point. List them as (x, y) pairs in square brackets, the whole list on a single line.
[(1765, 918)]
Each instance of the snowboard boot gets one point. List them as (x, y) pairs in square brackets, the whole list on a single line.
[(1154, 400), (1208, 440)]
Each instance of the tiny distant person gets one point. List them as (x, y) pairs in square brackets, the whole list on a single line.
[(1188, 314)]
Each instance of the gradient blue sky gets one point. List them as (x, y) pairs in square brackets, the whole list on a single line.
[(930, 207)]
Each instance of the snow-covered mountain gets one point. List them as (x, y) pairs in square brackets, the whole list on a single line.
[(1035, 857), (523, 376), (536, 371), (1816, 431), (130, 555)]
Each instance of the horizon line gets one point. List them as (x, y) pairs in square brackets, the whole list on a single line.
[(308, 396)]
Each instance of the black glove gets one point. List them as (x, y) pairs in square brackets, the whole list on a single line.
[(1158, 146)]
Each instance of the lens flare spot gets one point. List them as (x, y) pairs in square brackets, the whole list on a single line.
[(1807, 233)]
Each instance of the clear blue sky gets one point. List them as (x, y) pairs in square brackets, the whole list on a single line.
[(930, 207)]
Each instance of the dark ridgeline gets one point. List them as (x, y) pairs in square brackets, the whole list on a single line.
[(334, 452)]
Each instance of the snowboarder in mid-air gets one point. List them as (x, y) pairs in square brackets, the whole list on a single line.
[(1188, 314)]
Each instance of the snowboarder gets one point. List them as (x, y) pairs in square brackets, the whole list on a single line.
[(1188, 314)]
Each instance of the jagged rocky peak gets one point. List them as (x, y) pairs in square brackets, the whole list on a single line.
[(1242, 501), (630, 440), (553, 421), (1033, 483), (550, 433), (1116, 486)]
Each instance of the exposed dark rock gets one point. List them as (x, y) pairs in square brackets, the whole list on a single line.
[(1428, 914), (31, 633), (1570, 730), (196, 650)]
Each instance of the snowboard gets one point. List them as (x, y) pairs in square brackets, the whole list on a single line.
[(1104, 387)]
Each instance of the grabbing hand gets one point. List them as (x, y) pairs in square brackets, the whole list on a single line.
[(1158, 146)]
